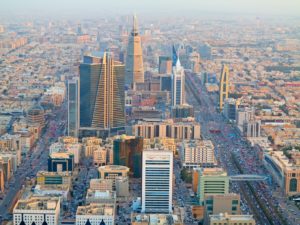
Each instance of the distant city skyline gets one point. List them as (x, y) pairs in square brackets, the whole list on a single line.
[(93, 8)]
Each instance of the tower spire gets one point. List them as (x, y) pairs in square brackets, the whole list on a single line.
[(135, 26)]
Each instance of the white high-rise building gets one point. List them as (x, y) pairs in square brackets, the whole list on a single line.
[(157, 181), (178, 82)]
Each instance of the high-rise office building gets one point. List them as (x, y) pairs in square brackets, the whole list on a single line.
[(134, 60), (164, 65), (166, 82), (157, 181), (224, 86), (230, 107), (194, 62), (73, 107), (252, 128), (182, 111), (178, 82), (102, 95), (244, 115), (128, 152)]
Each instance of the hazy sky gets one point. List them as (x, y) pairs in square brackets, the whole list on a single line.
[(101, 7)]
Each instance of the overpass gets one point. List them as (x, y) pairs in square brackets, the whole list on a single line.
[(248, 177)]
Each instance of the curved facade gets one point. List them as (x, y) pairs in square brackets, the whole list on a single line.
[(35, 115), (224, 86)]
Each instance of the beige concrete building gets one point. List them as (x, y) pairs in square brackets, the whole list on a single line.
[(155, 219), (216, 204), (96, 196), (196, 153), (226, 219), (119, 177), (99, 156), (68, 140), (169, 143), (95, 213), (134, 68), (184, 130), (286, 171), (113, 171), (101, 184), (90, 145), (37, 210)]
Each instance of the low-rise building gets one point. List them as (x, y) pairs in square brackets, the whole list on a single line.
[(227, 203), (211, 181), (96, 196), (37, 210), (285, 171), (231, 219), (60, 162), (101, 184), (155, 219), (95, 213), (54, 178)]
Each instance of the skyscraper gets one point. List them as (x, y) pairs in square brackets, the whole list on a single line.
[(164, 65), (73, 107), (128, 152), (224, 86), (178, 81), (134, 60), (157, 181), (102, 96)]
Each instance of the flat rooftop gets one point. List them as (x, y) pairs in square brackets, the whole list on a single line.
[(96, 209), (38, 203)]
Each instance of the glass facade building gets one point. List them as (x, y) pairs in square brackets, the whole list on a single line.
[(73, 107), (128, 152), (102, 95)]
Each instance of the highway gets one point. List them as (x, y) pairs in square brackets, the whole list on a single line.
[(235, 155), (35, 161)]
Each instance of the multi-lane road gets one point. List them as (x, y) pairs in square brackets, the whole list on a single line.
[(35, 161), (236, 156)]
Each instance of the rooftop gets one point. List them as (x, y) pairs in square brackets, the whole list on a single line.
[(38, 203), (113, 167), (96, 209), (228, 217)]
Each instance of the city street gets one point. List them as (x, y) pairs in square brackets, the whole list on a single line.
[(230, 142), (35, 160)]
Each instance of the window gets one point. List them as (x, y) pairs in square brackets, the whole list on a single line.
[(210, 208), (209, 201), (233, 208), (293, 185), (235, 202)]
